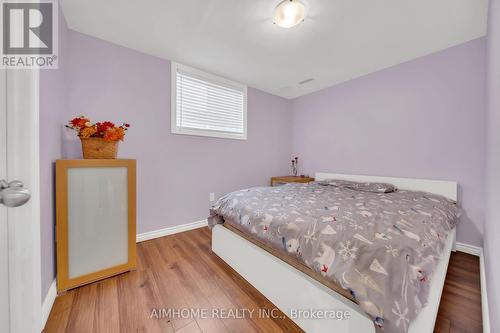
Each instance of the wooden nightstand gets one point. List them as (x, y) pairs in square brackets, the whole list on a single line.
[(276, 181)]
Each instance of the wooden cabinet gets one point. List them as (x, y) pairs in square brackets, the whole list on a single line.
[(276, 181), (96, 212)]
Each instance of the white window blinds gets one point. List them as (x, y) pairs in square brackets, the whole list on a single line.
[(207, 105)]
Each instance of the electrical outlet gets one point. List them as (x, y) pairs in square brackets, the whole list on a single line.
[(211, 196)]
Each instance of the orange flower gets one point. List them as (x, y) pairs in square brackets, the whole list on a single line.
[(120, 133), (114, 134), (87, 132)]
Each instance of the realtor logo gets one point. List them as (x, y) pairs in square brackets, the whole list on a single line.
[(29, 38)]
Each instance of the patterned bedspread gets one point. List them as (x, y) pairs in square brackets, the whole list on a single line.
[(383, 247)]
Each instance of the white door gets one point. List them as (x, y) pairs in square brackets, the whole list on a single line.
[(20, 276), (4, 259)]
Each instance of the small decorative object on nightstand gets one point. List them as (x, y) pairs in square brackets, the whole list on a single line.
[(277, 181), (295, 166)]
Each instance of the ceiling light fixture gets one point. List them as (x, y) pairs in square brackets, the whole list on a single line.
[(289, 13)]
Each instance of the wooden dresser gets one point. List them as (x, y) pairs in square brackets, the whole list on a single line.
[(280, 180)]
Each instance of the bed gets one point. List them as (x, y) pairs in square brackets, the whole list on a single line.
[(291, 286)]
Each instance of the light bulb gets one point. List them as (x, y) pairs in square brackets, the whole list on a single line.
[(289, 13)]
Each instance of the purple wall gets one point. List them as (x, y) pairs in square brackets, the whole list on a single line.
[(52, 116), (175, 172), (492, 223), (421, 119)]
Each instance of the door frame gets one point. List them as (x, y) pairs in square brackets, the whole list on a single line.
[(23, 163)]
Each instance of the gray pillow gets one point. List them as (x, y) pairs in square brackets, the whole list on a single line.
[(360, 186)]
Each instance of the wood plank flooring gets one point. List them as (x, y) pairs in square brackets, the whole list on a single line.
[(460, 306), (180, 272)]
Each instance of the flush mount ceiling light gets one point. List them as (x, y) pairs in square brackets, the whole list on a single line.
[(289, 13)]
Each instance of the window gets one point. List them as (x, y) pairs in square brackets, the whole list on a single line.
[(207, 105)]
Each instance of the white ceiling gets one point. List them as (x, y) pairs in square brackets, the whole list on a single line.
[(339, 40)]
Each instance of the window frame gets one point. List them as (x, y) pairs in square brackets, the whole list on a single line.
[(213, 79)]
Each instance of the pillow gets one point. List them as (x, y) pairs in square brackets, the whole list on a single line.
[(358, 186)]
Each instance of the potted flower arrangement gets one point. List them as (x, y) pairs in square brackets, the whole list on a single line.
[(99, 140)]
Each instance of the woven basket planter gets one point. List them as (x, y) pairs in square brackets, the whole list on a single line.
[(99, 148)]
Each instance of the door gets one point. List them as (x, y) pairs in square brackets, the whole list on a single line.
[(20, 276), (4, 259)]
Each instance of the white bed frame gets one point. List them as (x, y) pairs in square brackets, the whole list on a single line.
[(289, 288)]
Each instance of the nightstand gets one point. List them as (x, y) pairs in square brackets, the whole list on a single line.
[(277, 181)]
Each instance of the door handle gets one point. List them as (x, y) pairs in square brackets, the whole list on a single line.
[(13, 194)]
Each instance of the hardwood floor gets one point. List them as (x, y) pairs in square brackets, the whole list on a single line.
[(180, 272), (460, 306)]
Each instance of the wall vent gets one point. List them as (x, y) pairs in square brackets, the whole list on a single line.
[(306, 81)]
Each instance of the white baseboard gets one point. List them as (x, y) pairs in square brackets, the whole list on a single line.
[(48, 302), (470, 249), (484, 295), (171, 230)]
